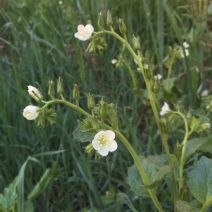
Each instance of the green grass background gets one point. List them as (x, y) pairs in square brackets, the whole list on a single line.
[(37, 44)]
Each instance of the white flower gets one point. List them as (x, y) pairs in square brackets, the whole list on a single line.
[(185, 45), (206, 126), (165, 109), (186, 52), (158, 77), (146, 66), (31, 112), (34, 93), (84, 32), (60, 2), (185, 49), (114, 61), (104, 142), (205, 93)]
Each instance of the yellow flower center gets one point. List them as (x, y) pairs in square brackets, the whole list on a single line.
[(103, 141)]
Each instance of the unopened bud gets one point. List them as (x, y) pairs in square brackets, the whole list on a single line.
[(89, 149), (51, 89), (76, 92), (60, 89), (109, 19), (34, 93), (136, 43), (102, 109), (122, 26), (90, 101), (100, 20), (206, 126)]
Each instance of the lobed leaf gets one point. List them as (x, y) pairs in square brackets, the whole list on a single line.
[(156, 170), (200, 179)]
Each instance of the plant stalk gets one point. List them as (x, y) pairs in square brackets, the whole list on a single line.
[(125, 142)]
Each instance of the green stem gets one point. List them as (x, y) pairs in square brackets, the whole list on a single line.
[(133, 77), (148, 85), (163, 134), (125, 142), (206, 205), (140, 169), (184, 144)]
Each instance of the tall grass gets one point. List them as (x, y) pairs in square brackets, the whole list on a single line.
[(37, 44)]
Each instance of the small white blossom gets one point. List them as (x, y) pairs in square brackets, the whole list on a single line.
[(158, 77), (206, 126), (165, 109), (114, 61), (185, 49), (31, 112), (60, 2), (185, 45), (34, 93), (205, 93), (84, 32), (146, 66), (104, 142)]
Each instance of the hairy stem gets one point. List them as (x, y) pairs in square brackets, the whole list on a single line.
[(184, 144), (124, 141), (163, 135)]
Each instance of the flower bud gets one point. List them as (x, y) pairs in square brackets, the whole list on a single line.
[(122, 26), (76, 92), (102, 109), (90, 101), (34, 93), (89, 149), (100, 20), (136, 43), (205, 126), (60, 89), (51, 89), (109, 19)]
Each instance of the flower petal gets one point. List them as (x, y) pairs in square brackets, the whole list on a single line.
[(103, 152), (112, 146), (31, 112), (79, 36), (109, 135), (99, 134), (80, 28), (89, 28), (95, 144)]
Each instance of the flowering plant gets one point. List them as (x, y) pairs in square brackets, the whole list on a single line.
[(100, 124)]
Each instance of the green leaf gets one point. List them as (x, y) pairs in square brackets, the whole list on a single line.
[(8, 199), (169, 84), (42, 184), (201, 144), (136, 183), (183, 206), (156, 170), (200, 179), (83, 136), (207, 147)]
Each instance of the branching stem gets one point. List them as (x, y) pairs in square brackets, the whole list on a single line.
[(124, 141)]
